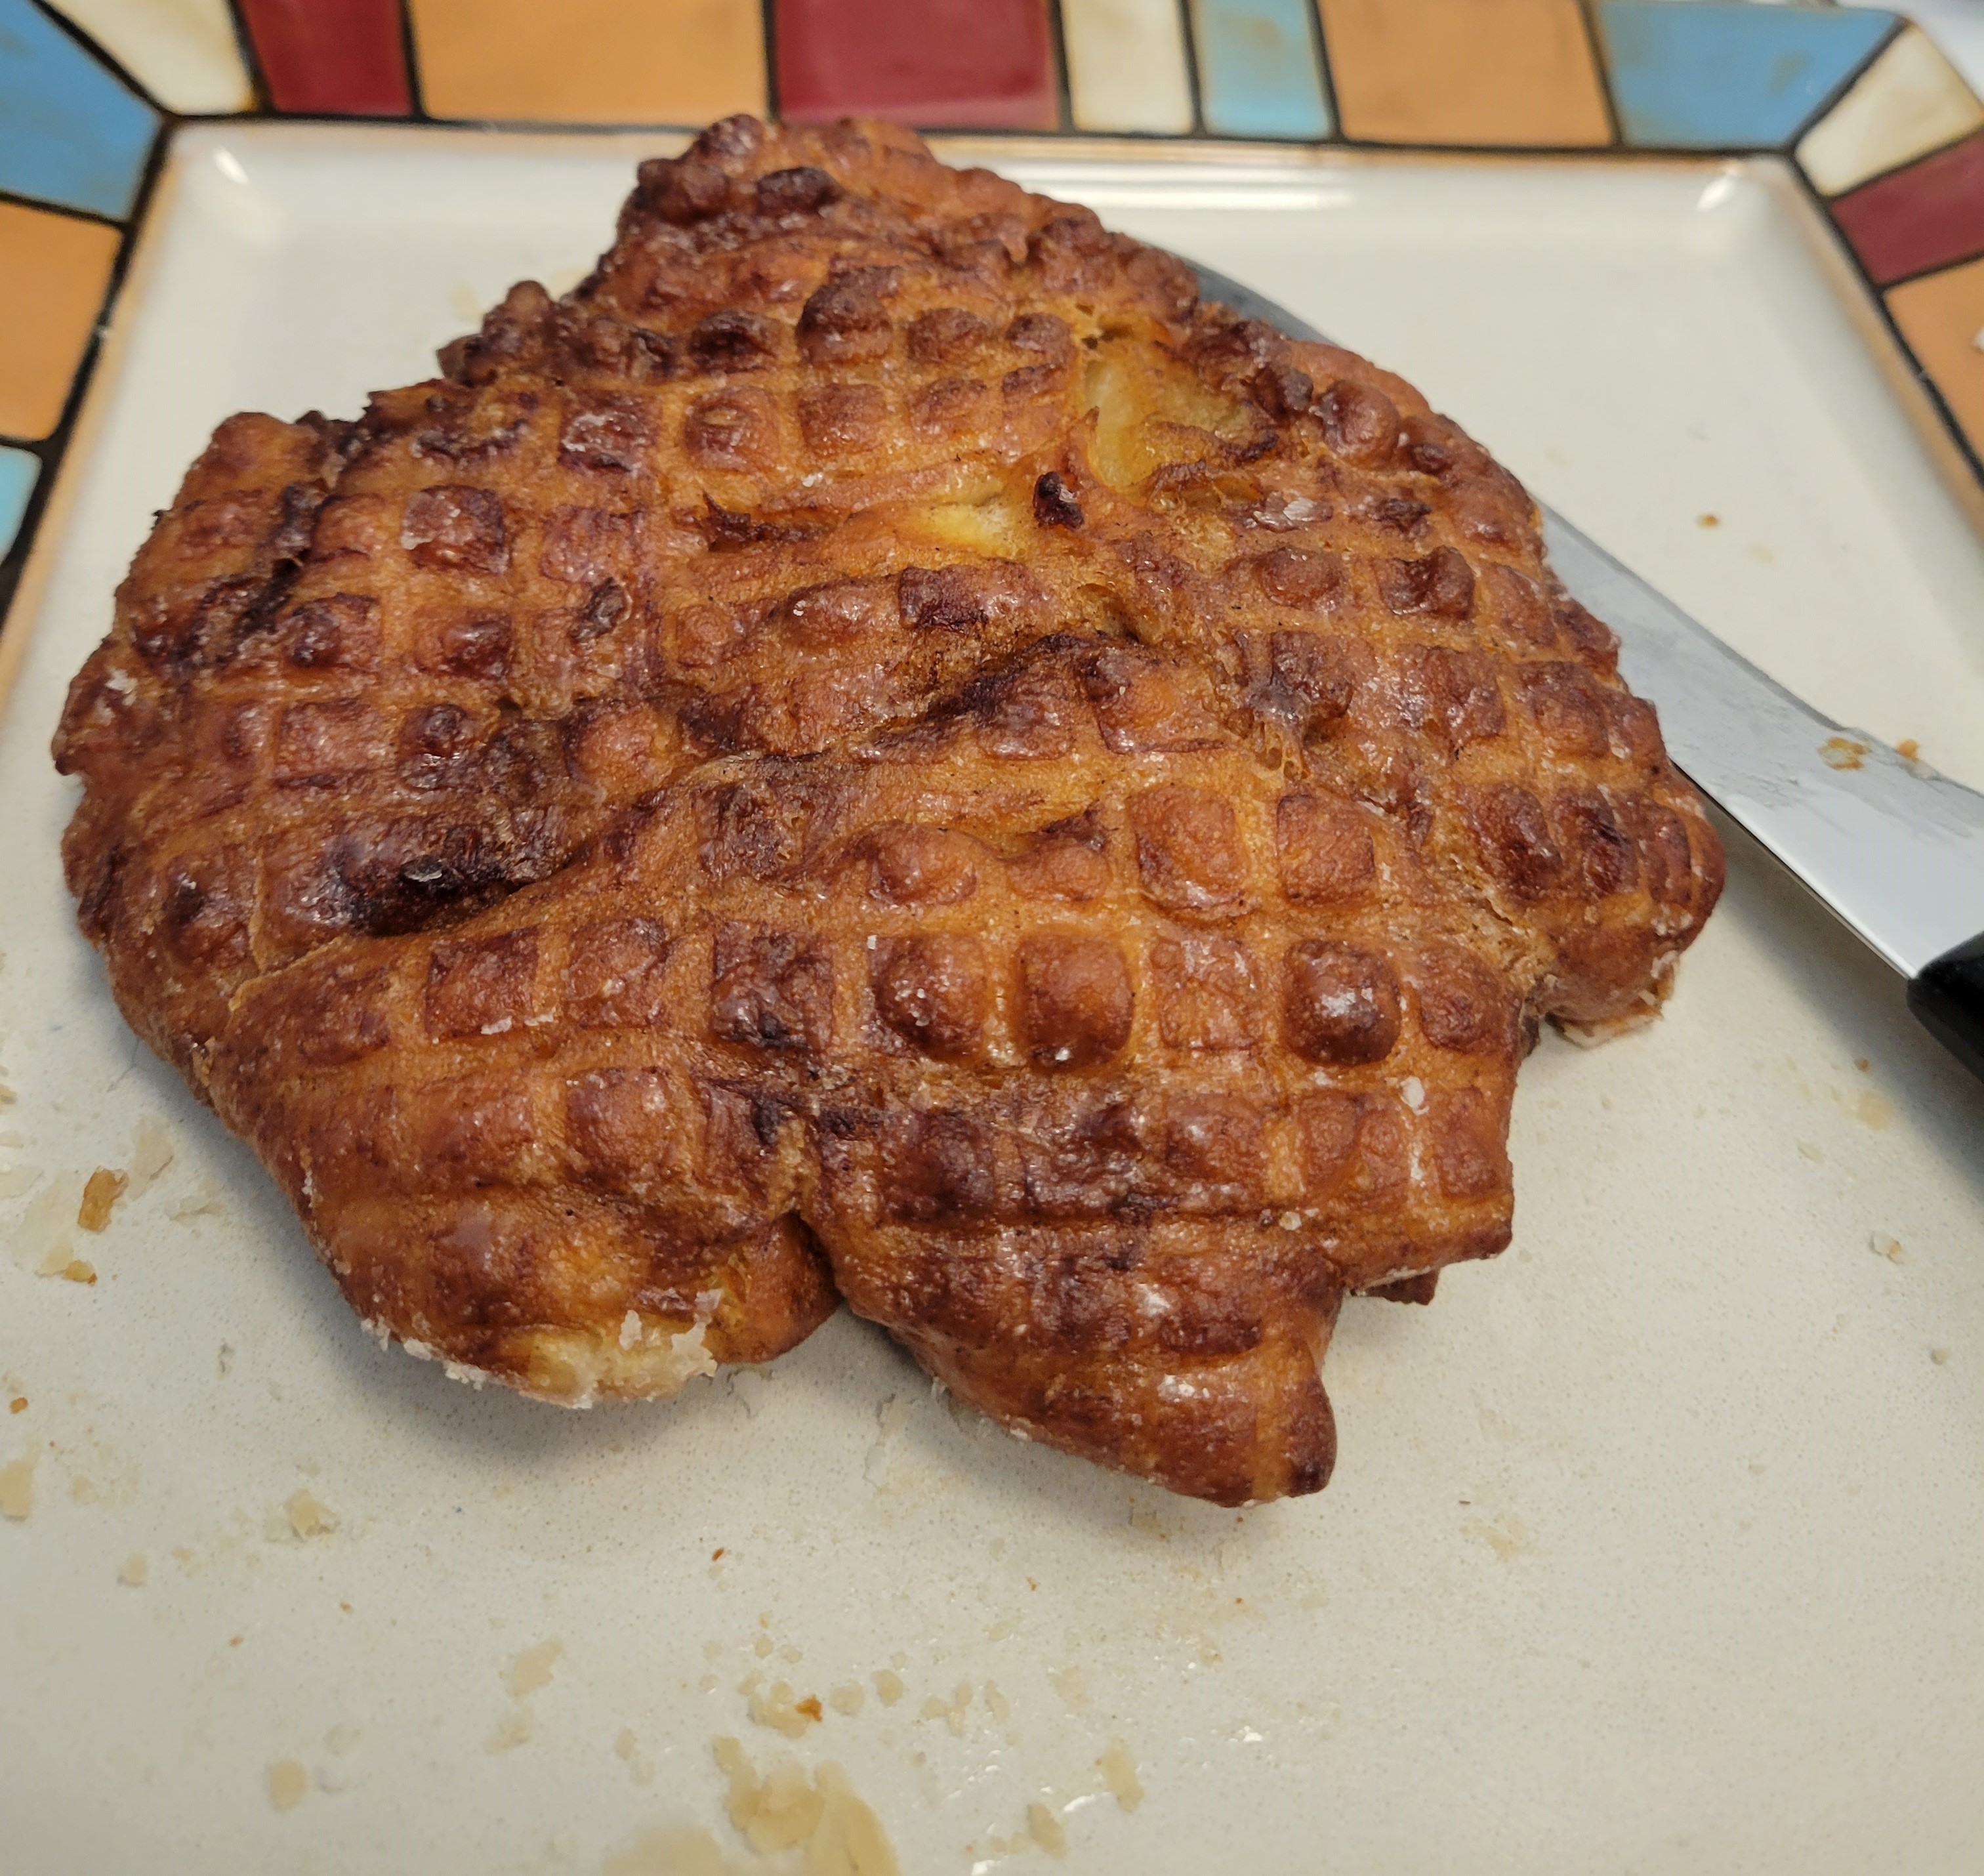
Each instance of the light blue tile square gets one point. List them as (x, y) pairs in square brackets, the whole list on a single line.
[(1260, 68), (17, 473), (69, 132), (1703, 75)]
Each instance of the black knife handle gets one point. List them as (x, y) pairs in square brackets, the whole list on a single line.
[(1948, 998)]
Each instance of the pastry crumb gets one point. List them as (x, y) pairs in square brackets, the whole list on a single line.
[(1845, 753), (785, 1809), (152, 1152), (41, 1242), (1883, 1245), (532, 1669), (1705, 520), (1940, 1356), (134, 1570), (287, 1783), (775, 1706), (308, 1515), (100, 1194), (1045, 1829), (1068, 1682), (952, 1711), (888, 1686), (1875, 1111), (17, 1487), (777, 1811), (848, 1699), (627, 1749), (1119, 1774), (671, 1853), (18, 1404), (510, 1732), (202, 1201)]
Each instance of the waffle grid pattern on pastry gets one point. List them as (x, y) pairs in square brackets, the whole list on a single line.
[(877, 751)]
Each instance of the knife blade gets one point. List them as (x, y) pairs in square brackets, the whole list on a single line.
[(1893, 849)]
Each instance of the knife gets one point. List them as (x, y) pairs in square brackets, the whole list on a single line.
[(1893, 850)]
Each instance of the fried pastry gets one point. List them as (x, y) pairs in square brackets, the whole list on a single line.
[(878, 750)]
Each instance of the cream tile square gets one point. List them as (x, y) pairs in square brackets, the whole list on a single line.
[(184, 52), (1126, 65), (1911, 100)]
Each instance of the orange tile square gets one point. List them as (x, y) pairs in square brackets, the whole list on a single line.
[(1942, 316), (53, 271), (590, 62), (1508, 73)]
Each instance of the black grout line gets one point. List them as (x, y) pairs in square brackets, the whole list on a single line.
[(1920, 372), (251, 59), (1903, 169), (1058, 57), (768, 16), (69, 213), (1325, 76), (1594, 40), (1189, 39), (1922, 274), (1825, 108), (93, 48), (1927, 156), (1878, 294), (50, 452), (416, 103), (375, 120), (508, 126), (1608, 153)]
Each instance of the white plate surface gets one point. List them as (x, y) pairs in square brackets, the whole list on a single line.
[(1657, 1545)]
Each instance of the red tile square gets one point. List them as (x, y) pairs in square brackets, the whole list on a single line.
[(344, 58), (950, 64), (1923, 216)]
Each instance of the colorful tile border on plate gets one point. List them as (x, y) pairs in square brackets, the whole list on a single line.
[(1884, 131)]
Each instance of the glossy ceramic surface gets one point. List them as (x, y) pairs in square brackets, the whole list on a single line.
[(1653, 1544)]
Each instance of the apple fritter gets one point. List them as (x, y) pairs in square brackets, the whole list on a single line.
[(877, 749)]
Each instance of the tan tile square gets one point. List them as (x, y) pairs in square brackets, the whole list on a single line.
[(1942, 316), (1509, 73), (53, 272), (590, 62)]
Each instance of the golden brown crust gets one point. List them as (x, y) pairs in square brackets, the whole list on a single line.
[(877, 748)]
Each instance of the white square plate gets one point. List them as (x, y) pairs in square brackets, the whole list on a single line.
[(1657, 1544)]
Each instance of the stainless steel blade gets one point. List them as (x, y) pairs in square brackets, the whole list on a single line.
[(1895, 850)]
